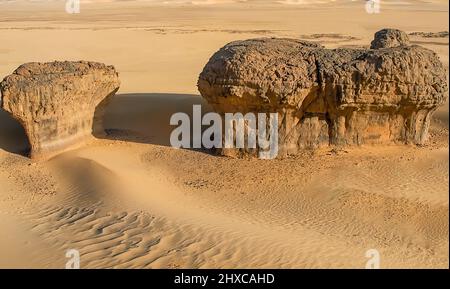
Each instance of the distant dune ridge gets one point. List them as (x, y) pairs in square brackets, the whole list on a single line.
[(326, 97)]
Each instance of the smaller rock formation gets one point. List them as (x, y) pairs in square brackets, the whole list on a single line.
[(56, 102), (387, 38)]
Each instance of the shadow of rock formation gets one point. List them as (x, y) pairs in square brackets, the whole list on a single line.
[(144, 117), (13, 138)]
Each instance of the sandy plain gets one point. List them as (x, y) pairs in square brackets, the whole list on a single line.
[(129, 200)]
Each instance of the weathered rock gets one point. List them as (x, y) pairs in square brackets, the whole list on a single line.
[(328, 97), (56, 102), (387, 38)]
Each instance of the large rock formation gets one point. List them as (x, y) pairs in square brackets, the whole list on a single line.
[(56, 102), (329, 97)]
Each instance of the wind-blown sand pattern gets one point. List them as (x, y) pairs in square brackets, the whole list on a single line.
[(129, 200)]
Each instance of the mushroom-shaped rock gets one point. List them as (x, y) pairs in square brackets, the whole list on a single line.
[(56, 102), (387, 38), (327, 96)]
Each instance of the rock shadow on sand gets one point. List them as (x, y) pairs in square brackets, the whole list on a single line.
[(13, 138), (145, 117)]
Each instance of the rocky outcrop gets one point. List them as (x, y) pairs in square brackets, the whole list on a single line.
[(387, 38), (329, 97), (58, 103)]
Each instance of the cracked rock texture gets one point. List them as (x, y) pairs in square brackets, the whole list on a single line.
[(329, 96), (59, 104)]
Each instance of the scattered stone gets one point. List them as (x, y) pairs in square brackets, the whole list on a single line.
[(440, 34)]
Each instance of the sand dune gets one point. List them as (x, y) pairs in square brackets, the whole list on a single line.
[(192, 219), (129, 200)]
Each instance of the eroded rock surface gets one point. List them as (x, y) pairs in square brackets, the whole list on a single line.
[(58, 103), (329, 97), (387, 38)]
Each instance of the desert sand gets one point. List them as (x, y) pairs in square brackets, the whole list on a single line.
[(130, 200)]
